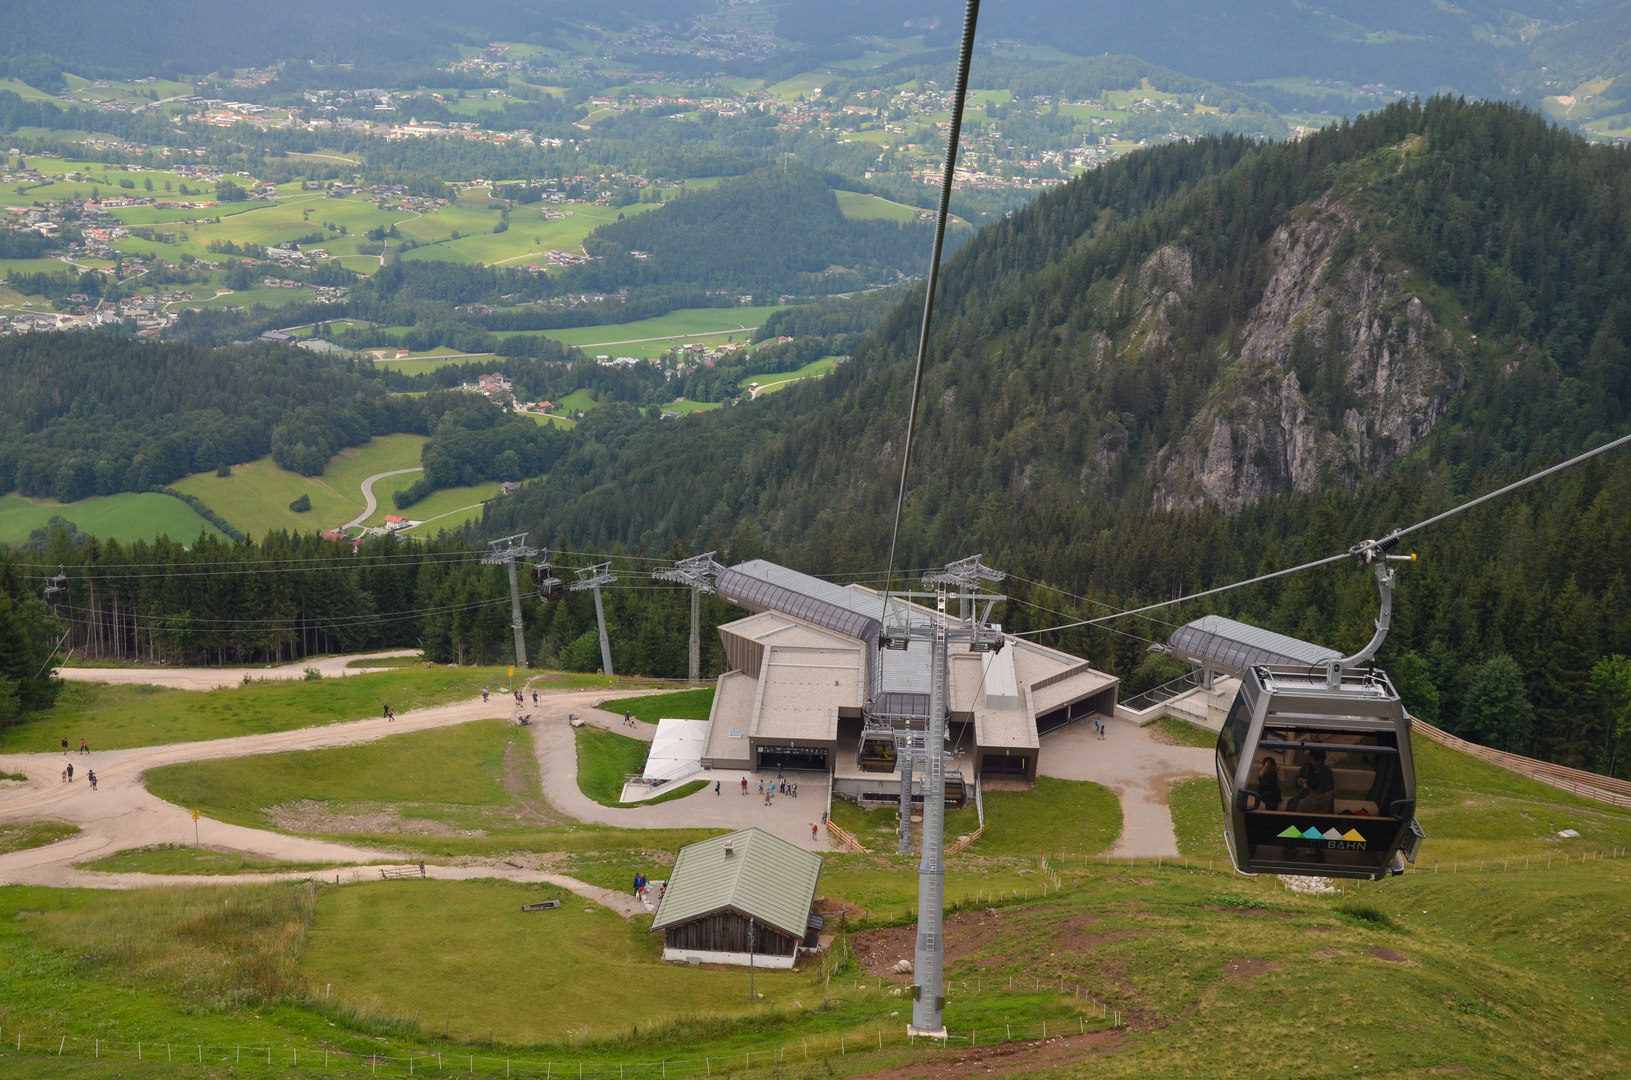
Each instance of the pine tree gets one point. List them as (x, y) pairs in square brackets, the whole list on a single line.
[(1498, 712)]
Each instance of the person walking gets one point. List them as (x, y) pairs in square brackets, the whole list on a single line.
[(535, 697), (628, 718), (812, 832), (744, 785), (65, 744), (91, 776), (716, 787), (484, 695), (70, 772), (65, 776), (83, 749)]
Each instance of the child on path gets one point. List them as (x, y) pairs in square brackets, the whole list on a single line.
[(484, 695), (70, 772), (91, 776)]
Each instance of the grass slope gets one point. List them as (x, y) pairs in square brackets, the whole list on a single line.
[(256, 497), (117, 716), (174, 859), (604, 759), (680, 705), (126, 518), (22, 835), (434, 775)]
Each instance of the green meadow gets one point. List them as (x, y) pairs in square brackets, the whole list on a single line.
[(256, 497), (813, 370), (127, 517), (119, 716)]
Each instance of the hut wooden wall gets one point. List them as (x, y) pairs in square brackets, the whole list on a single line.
[(727, 931)]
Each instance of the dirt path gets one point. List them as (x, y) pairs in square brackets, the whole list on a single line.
[(1138, 769), (332, 667), (123, 814)]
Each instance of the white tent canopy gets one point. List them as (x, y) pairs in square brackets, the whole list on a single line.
[(676, 753)]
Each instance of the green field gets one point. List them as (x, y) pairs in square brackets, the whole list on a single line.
[(413, 946), (1492, 970), (469, 776), (680, 705), (447, 508), (126, 518), (175, 859), (116, 716), (861, 207), (688, 407), (22, 835), (575, 402), (652, 337), (256, 497), (605, 758), (769, 384)]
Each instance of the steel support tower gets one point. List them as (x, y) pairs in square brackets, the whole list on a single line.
[(699, 572), (593, 577), (513, 548), (964, 579)]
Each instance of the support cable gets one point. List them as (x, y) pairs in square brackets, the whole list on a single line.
[(964, 58)]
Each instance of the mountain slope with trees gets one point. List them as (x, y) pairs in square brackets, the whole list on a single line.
[(1460, 262)]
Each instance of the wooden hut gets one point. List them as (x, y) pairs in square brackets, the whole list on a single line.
[(739, 899)]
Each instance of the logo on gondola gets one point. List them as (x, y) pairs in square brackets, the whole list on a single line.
[(1352, 836)]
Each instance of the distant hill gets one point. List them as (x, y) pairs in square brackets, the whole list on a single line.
[(774, 231)]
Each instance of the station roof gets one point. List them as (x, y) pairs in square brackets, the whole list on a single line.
[(1216, 642), (759, 585), (764, 877)]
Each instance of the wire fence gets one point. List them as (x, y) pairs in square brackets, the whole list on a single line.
[(432, 1062)]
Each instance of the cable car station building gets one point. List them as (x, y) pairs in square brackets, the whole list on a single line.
[(807, 687)]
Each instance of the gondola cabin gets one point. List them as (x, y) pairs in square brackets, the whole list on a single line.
[(550, 587), (1316, 774)]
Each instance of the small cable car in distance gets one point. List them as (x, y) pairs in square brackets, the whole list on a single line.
[(550, 588), (1314, 763)]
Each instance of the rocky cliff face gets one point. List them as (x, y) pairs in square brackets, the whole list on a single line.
[(1338, 373)]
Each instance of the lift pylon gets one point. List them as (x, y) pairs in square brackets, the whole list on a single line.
[(699, 572), (506, 550), (593, 577)]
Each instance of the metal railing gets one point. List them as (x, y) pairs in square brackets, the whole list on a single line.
[(1162, 694)]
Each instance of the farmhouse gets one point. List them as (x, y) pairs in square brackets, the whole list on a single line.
[(738, 899), (807, 687)]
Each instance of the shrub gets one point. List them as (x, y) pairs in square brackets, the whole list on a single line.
[(1366, 916), (223, 469), (301, 505)]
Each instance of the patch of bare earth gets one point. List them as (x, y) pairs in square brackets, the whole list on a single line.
[(1003, 1059), (1247, 968), (1391, 956), (528, 808), (311, 816)]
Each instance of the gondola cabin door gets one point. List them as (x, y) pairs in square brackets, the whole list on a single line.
[(1318, 778)]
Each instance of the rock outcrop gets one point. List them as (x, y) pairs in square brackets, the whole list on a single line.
[(1339, 372)]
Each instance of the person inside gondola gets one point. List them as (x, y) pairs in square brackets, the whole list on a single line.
[(1268, 784), (1317, 786)]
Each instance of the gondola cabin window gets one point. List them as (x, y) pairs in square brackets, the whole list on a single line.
[(1323, 772), (1233, 737)]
